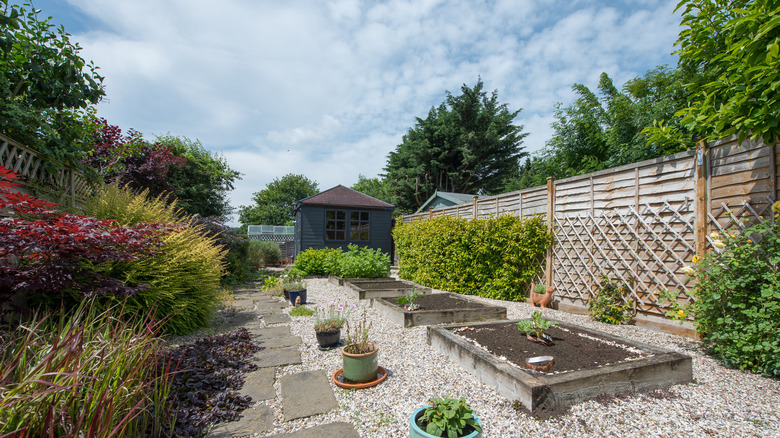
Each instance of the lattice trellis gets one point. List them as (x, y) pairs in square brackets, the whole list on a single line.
[(644, 250)]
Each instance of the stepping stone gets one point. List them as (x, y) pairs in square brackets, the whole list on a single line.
[(259, 384), (275, 318), (276, 357), (252, 420), (287, 341), (262, 334), (305, 394), (332, 430)]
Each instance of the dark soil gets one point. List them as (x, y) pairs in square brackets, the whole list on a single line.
[(571, 352), (440, 302)]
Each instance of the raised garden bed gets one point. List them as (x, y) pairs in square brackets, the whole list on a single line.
[(587, 363), (439, 308), (366, 289)]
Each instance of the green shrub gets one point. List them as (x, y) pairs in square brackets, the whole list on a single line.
[(87, 373), (736, 306), (183, 280), (262, 253), (312, 261), (494, 257), (609, 305), (359, 262)]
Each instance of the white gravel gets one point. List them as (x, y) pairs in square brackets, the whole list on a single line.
[(720, 402)]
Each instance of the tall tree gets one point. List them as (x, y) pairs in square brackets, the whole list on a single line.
[(468, 144), (610, 129), (202, 184), (736, 46), (375, 187), (274, 204), (47, 91)]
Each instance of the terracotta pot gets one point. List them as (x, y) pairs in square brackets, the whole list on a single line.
[(541, 299)]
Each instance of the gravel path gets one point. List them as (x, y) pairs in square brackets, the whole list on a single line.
[(719, 402)]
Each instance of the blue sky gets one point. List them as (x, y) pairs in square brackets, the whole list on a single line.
[(328, 88)]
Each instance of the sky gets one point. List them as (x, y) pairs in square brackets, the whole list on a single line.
[(328, 88)]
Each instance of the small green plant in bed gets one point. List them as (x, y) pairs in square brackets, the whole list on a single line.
[(301, 311), (536, 326), (408, 301), (448, 417)]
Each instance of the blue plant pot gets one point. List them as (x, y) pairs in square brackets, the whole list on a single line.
[(416, 432), (294, 294)]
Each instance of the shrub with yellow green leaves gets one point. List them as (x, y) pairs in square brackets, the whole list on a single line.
[(183, 279), (493, 257)]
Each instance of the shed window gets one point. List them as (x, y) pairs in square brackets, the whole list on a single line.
[(358, 225), (335, 225)]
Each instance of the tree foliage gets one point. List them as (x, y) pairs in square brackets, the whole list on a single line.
[(736, 46), (375, 187), (202, 184), (608, 128), (468, 145), (46, 89), (274, 204)]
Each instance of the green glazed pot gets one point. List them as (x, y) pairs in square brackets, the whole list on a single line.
[(416, 431), (360, 368)]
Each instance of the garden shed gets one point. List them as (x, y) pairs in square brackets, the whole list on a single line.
[(444, 199), (341, 216)]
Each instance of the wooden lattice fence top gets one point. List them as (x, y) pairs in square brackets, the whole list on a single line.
[(641, 223)]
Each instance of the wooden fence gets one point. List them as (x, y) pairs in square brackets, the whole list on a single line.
[(41, 178), (641, 223)]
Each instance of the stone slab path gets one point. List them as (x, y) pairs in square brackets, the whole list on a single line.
[(302, 394)]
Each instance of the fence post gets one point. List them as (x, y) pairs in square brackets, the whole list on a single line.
[(548, 272), (474, 207), (702, 201)]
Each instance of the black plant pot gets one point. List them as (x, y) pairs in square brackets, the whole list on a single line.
[(328, 338)]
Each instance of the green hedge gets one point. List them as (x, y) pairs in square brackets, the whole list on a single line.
[(356, 262), (492, 257)]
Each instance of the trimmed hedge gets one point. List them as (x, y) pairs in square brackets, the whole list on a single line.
[(494, 257), (356, 262)]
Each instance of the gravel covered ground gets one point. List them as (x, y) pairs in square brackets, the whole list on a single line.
[(719, 402)]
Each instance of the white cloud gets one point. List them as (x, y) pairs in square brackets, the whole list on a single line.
[(328, 88)]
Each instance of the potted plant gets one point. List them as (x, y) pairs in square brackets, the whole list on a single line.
[(535, 327), (359, 356), (448, 417), (541, 295), (328, 322), (407, 301)]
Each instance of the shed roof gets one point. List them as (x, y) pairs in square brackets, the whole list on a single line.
[(455, 198), (341, 196)]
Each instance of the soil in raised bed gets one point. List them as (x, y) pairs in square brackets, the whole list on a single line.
[(571, 351), (440, 302)]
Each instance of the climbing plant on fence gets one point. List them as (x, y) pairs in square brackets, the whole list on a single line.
[(492, 257)]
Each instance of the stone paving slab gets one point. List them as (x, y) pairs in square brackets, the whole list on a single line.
[(305, 394), (254, 419), (277, 318), (263, 333), (259, 384), (287, 341), (276, 357), (332, 430)]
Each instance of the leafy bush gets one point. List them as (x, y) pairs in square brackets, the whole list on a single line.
[(262, 253), (359, 262), (52, 257), (736, 306), (448, 416), (183, 280), (239, 267), (204, 388), (312, 261), (609, 304), (494, 257), (86, 374)]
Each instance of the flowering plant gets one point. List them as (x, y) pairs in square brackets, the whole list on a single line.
[(331, 317)]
